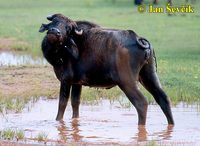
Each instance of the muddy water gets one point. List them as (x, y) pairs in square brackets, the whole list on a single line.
[(13, 59), (106, 123)]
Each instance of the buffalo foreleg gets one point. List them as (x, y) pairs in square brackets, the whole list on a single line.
[(75, 99), (63, 99)]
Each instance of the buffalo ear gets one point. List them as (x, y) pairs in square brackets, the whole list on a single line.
[(73, 49), (43, 27), (75, 52)]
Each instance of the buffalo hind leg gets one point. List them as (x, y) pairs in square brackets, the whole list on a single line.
[(150, 81), (75, 100), (137, 99), (63, 99)]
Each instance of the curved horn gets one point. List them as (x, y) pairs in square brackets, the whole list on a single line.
[(79, 32), (50, 17)]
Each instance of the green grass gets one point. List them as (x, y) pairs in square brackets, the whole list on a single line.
[(10, 134), (15, 104), (92, 95), (42, 137), (175, 38), (20, 135)]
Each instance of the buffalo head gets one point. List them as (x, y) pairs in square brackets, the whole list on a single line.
[(60, 32)]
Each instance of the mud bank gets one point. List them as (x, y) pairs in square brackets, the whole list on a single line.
[(27, 81), (23, 75)]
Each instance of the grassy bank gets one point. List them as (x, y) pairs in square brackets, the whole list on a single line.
[(20, 84), (21, 20), (175, 39)]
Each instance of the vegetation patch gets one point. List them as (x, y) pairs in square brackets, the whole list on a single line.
[(42, 137), (12, 44), (9, 134)]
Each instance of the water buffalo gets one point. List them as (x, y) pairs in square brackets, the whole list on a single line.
[(83, 53)]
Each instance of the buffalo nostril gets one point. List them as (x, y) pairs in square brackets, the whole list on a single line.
[(58, 33)]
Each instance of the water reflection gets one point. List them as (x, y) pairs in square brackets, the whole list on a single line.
[(75, 130), (13, 59), (72, 133), (165, 134), (106, 123), (62, 132), (142, 134), (69, 134)]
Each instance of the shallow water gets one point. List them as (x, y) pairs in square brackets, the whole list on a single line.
[(106, 123), (14, 59)]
